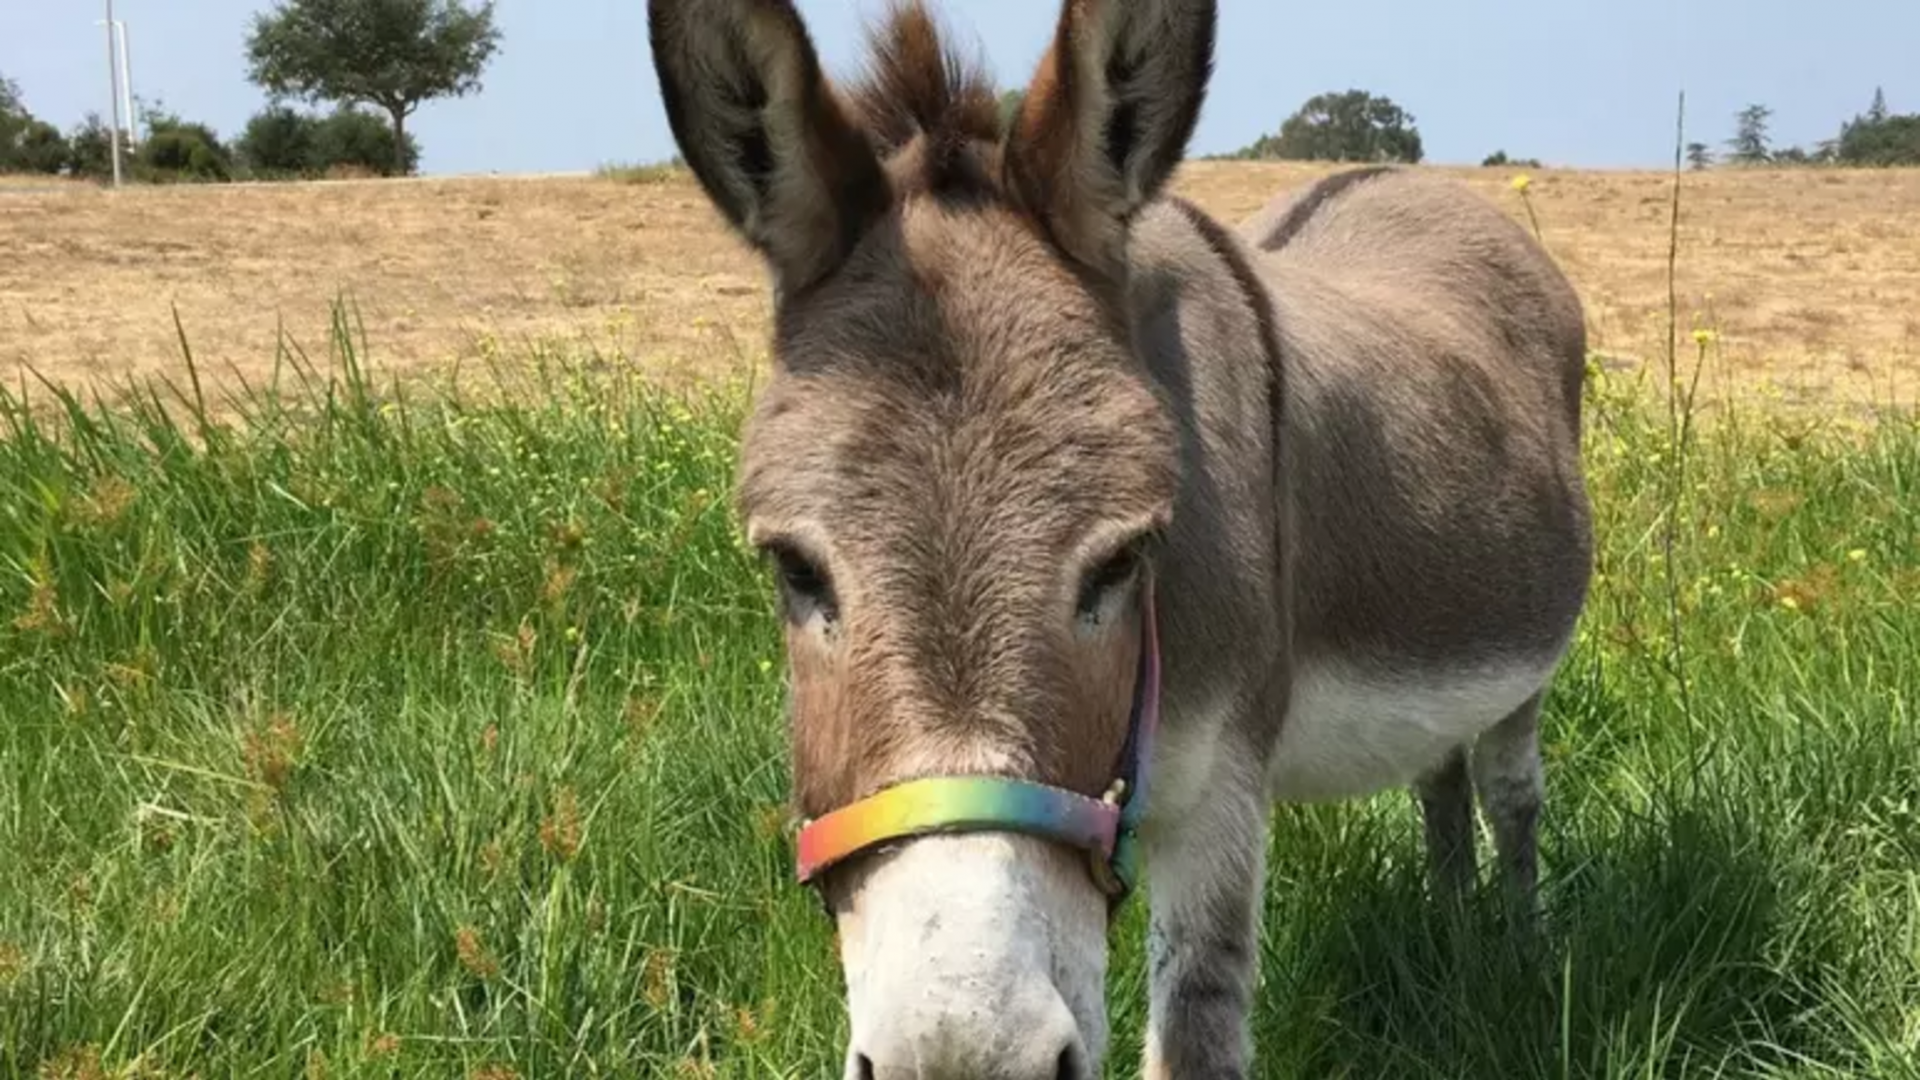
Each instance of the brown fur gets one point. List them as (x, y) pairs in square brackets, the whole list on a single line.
[(1007, 442), (917, 87)]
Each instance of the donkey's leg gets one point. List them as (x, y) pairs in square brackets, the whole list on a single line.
[(1446, 805), (1508, 776), (1205, 875)]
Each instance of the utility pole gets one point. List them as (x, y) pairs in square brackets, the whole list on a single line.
[(126, 82), (113, 82), (126, 86)]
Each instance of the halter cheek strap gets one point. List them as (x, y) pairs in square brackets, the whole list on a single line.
[(1106, 828)]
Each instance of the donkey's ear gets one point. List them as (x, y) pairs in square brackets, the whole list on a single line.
[(762, 129), (1107, 117)]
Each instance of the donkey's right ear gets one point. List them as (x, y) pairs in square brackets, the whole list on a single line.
[(760, 127)]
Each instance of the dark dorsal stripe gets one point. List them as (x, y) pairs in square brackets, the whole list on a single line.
[(1318, 196), (1261, 303)]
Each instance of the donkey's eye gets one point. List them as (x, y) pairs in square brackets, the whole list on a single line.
[(1114, 572), (804, 586)]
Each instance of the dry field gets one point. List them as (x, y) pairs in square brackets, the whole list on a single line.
[(1808, 276)]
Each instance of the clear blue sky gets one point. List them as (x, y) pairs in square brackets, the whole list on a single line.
[(1573, 82)]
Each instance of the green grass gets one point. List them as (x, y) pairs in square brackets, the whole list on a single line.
[(366, 735)]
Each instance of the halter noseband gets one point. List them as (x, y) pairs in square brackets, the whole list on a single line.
[(1106, 828)]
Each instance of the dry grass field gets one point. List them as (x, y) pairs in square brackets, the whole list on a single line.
[(1808, 276)]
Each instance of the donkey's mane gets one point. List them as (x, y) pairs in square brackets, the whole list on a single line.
[(917, 86)]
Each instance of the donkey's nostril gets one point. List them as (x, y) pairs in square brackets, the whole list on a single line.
[(1070, 1067), (864, 1068)]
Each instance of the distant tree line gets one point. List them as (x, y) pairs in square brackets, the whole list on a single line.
[(1877, 138), (279, 143), (1359, 126), (373, 62)]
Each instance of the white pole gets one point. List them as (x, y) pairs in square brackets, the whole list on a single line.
[(126, 86), (113, 95), (126, 81)]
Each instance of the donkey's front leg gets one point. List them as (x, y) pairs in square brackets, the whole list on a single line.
[(1205, 870)]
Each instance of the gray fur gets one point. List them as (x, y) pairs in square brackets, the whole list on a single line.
[(1345, 435)]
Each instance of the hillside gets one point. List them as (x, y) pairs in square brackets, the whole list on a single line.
[(1807, 274)]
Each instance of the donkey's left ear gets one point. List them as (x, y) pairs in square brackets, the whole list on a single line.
[(1107, 118)]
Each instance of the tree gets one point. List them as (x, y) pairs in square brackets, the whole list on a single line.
[(1750, 139), (176, 149), (27, 143), (390, 54), (1699, 156), (1499, 158), (351, 139), (90, 149), (1877, 112), (1893, 141), (1350, 126), (278, 142), (281, 142)]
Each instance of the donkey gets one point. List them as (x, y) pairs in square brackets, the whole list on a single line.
[(1049, 454)]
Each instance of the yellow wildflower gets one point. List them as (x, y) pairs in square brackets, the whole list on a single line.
[(1522, 182)]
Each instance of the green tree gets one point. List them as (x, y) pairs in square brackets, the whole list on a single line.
[(278, 142), (1879, 138), (90, 149), (1350, 126), (1893, 141), (1750, 142), (40, 148), (1699, 155), (177, 149), (353, 138), (27, 143), (1501, 159), (390, 54)]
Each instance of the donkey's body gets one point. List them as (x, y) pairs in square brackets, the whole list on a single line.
[(1382, 527), (1380, 548), (1019, 395)]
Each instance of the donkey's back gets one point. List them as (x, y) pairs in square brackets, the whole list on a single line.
[(1432, 359)]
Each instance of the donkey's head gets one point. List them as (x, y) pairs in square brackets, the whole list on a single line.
[(958, 472)]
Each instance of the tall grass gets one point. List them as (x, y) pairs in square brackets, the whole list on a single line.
[(346, 732)]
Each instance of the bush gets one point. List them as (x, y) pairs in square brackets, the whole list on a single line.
[(37, 147), (279, 142), (177, 150), (1887, 141), (90, 149), (1499, 158), (27, 143), (350, 137)]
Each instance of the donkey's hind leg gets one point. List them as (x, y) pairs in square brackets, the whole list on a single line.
[(1508, 777), (1446, 806)]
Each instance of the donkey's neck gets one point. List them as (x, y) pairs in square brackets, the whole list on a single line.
[(1203, 325)]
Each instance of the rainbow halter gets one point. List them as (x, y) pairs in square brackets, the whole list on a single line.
[(1106, 828)]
